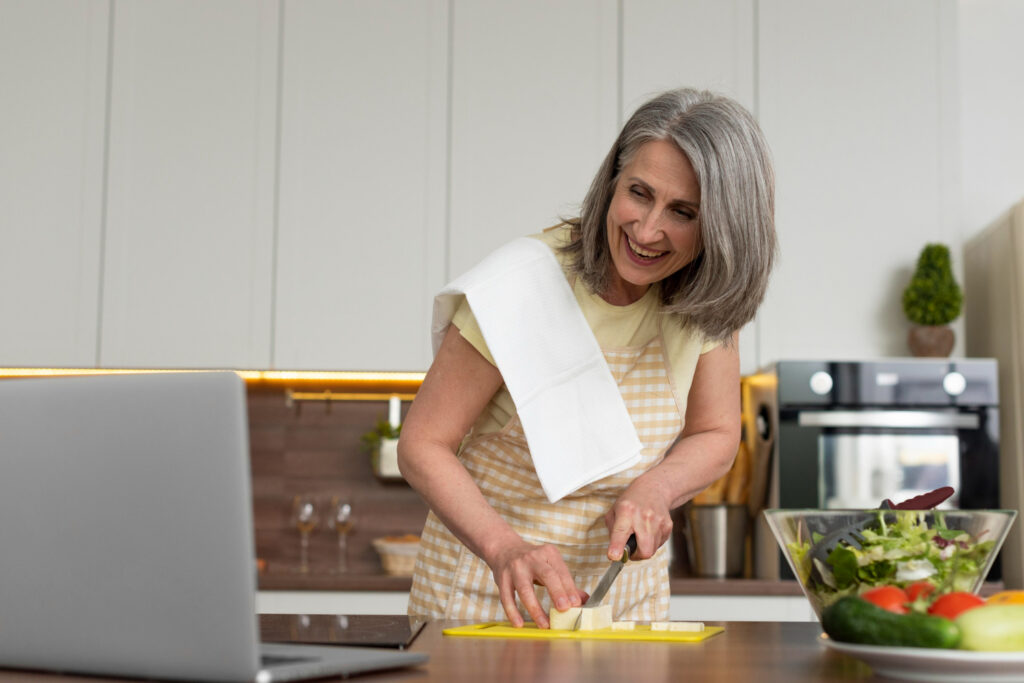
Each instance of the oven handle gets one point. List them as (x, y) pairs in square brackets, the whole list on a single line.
[(893, 419)]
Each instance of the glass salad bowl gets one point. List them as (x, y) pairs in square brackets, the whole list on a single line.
[(847, 552)]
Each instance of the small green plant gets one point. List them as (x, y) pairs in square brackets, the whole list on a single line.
[(933, 297), (381, 430)]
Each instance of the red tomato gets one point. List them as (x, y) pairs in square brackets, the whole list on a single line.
[(951, 605), (919, 590), (892, 598)]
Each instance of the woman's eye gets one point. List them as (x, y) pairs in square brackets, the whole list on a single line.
[(685, 214), (638, 191)]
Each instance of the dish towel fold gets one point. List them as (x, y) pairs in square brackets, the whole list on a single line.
[(575, 420)]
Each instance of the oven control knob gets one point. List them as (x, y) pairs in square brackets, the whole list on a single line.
[(821, 383), (954, 383)]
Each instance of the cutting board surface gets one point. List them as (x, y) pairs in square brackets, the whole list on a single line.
[(504, 629)]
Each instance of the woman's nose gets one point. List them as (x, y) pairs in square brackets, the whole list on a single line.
[(648, 227)]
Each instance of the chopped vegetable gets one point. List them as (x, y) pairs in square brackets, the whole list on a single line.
[(992, 628), (855, 620), (899, 550), (920, 590), (590, 618), (952, 605), (892, 598)]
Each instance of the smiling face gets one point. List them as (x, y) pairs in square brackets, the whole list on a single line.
[(653, 220)]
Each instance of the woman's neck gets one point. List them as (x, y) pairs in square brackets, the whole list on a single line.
[(622, 293)]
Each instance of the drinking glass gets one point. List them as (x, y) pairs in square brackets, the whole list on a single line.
[(340, 520), (304, 519)]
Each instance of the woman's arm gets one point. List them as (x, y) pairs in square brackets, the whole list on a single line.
[(703, 453), (453, 394)]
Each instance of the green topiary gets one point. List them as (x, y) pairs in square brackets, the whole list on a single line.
[(933, 297)]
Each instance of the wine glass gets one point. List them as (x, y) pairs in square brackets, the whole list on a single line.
[(304, 519), (340, 520)]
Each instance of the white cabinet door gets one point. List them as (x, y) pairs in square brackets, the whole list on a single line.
[(53, 81), (362, 186), (188, 261), (717, 54), (855, 101), (534, 111)]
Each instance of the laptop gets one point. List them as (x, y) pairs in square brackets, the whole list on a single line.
[(126, 535)]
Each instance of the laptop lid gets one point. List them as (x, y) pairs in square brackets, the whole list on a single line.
[(126, 529)]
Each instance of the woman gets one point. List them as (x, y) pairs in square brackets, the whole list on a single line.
[(669, 258)]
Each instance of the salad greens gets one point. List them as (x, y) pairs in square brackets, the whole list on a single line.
[(895, 550)]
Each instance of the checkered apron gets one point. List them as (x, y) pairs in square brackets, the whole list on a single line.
[(451, 582)]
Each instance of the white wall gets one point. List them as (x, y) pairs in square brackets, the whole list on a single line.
[(991, 110)]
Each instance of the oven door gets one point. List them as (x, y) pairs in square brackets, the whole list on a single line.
[(860, 469), (857, 458)]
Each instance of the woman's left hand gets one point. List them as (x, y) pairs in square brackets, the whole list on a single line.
[(644, 510)]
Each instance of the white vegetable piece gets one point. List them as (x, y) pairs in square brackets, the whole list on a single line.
[(686, 626), (677, 625), (591, 618), (623, 625)]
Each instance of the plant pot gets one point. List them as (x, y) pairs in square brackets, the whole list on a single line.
[(931, 341)]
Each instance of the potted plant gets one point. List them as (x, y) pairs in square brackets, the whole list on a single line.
[(931, 301), (381, 443)]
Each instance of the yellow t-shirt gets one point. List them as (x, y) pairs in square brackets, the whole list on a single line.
[(613, 326)]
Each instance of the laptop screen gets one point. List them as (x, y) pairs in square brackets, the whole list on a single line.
[(126, 526)]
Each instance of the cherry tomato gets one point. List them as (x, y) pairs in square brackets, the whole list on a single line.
[(952, 605), (919, 590), (892, 598)]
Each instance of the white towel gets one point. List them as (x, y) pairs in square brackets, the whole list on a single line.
[(576, 423)]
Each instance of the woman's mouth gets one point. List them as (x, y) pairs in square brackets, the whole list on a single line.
[(641, 254)]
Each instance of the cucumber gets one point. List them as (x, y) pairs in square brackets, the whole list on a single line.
[(992, 628), (855, 620)]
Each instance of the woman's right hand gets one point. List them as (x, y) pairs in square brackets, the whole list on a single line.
[(518, 567)]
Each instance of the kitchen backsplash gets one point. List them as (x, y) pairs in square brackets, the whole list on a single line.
[(314, 447)]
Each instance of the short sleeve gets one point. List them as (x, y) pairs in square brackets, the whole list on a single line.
[(710, 346), (468, 327)]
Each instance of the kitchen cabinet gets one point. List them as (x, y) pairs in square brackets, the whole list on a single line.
[(286, 184), (361, 233), (718, 55), (858, 102), (187, 268), (533, 111), (53, 80)]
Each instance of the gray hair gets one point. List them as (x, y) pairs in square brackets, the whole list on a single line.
[(720, 290)]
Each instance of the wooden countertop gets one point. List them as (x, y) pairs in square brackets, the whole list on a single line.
[(766, 652), (762, 651)]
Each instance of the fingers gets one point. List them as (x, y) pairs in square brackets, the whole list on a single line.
[(620, 526), (540, 565), (652, 528), (524, 586), (507, 595), (554, 575)]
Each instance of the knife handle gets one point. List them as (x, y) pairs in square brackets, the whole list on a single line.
[(630, 548)]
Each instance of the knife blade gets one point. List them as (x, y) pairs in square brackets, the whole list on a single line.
[(608, 579)]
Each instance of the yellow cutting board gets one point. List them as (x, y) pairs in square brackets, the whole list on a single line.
[(504, 629)]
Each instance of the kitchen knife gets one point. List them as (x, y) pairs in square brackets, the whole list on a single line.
[(608, 579)]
